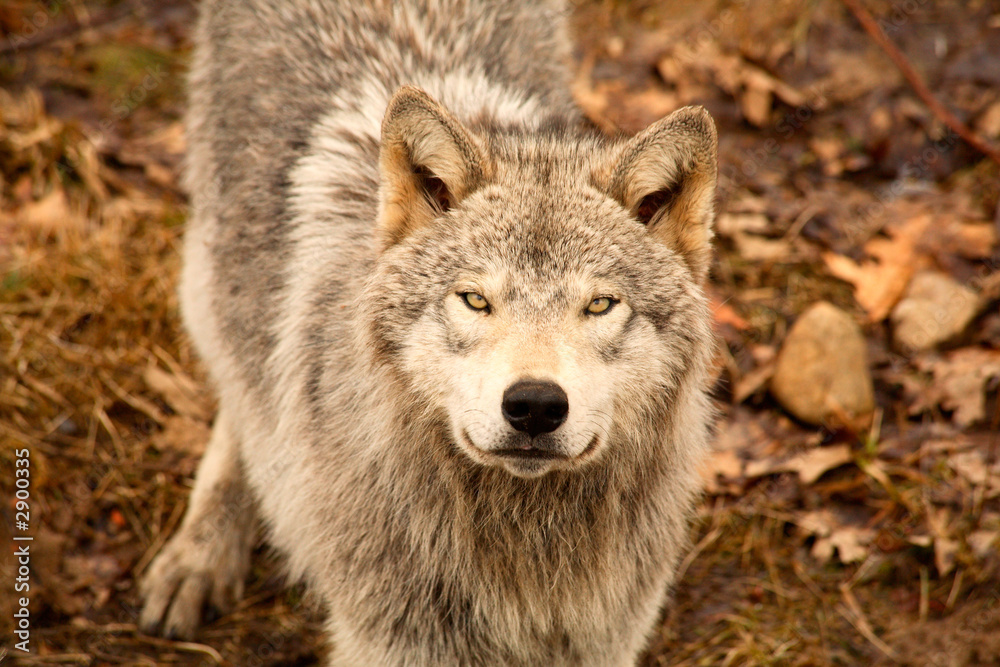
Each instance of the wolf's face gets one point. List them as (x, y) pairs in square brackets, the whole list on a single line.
[(523, 294)]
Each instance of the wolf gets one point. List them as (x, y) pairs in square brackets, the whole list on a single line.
[(460, 339)]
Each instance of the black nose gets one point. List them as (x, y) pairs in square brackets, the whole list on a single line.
[(535, 406)]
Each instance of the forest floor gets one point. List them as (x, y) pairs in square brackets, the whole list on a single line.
[(844, 539)]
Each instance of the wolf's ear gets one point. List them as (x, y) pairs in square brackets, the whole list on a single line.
[(428, 162), (666, 176)]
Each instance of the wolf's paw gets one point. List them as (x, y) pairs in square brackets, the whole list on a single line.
[(186, 580)]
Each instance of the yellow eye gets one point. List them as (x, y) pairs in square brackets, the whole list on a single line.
[(600, 305), (475, 301)]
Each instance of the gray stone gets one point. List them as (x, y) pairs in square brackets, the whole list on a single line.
[(934, 309), (821, 374)]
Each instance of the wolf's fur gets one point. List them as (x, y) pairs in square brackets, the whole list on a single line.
[(339, 213)]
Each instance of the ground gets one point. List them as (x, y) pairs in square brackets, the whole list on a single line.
[(848, 539)]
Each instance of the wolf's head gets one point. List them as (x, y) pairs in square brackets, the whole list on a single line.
[(541, 287)]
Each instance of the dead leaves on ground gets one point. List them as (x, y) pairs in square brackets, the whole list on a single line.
[(880, 280), (959, 382)]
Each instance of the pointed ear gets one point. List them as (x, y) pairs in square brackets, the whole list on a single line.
[(666, 176), (428, 162)]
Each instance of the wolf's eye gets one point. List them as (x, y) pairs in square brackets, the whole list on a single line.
[(601, 305), (475, 301)]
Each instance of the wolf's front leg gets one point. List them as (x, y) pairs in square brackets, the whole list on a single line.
[(206, 562)]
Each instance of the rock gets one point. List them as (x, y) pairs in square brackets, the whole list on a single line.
[(821, 374), (934, 309)]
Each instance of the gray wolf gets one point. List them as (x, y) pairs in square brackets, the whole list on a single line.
[(459, 339)]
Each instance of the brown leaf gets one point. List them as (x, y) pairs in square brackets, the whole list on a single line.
[(972, 467), (851, 544), (184, 435), (753, 88), (732, 224), (960, 382), (752, 382), (726, 314), (880, 282), (988, 124), (594, 99), (983, 542), (725, 464), (852, 76), (51, 213), (974, 240), (755, 248), (818, 522), (813, 464), (809, 466)]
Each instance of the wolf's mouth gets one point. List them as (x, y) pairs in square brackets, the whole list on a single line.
[(530, 453), (515, 452)]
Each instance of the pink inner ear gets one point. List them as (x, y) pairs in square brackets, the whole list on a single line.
[(652, 203)]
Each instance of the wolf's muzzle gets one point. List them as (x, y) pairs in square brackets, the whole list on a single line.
[(535, 406)]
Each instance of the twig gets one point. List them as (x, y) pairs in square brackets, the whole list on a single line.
[(852, 611), (919, 87)]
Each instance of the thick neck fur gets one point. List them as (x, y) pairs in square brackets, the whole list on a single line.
[(562, 521), (501, 555)]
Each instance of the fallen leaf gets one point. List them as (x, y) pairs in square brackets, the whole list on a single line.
[(51, 213), (851, 544), (988, 123), (753, 88), (983, 542), (725, 464), (818, 522), (732, 225), (725, 314), (752, 382), (879, 283), (594, 99), (812, 465), (960, 382), (809, 466), (972, 466), (973, 240), (639, 109), (852, 76), (760, 249), (829, 150), (182, 434)]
